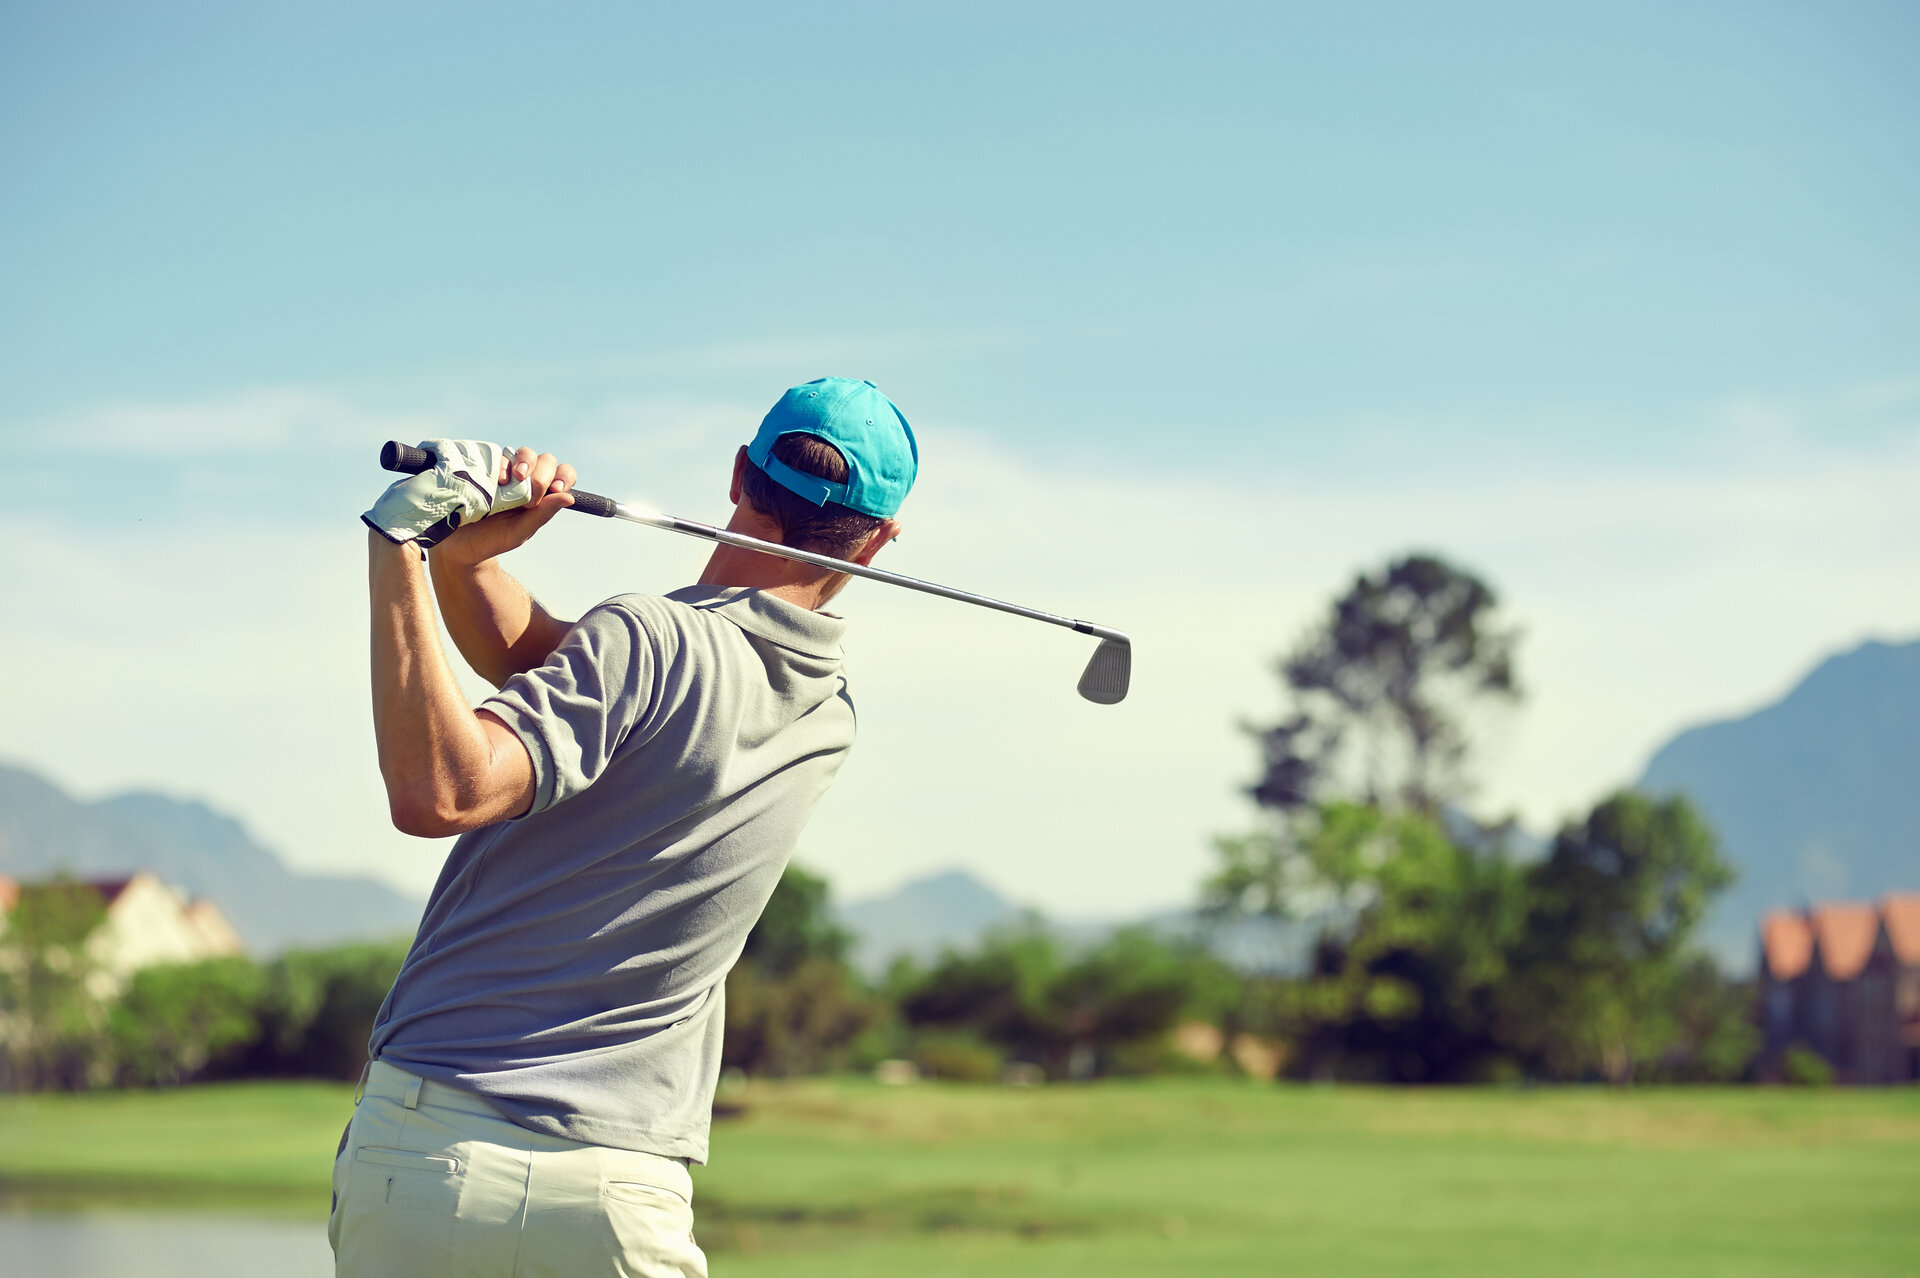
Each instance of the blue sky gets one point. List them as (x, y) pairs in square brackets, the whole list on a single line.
[(1199, 309)]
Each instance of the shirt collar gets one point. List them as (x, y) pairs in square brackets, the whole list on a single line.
[(769, 616)]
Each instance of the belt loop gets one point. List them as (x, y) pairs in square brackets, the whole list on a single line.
[(413, 1092), (360, 1088)]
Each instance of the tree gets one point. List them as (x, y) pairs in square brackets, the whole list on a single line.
[(1117, 1002), (797, 925), (1715, 1038), (53, 996), (1381, 688), (998, 992), (174, 1019), (318, 1009), (793, 1004), (1406, 977), (1105, 1010), (1607, 973)]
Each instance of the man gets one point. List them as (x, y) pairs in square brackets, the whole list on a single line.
[(543, 1068)]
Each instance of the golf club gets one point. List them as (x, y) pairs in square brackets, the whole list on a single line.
[(1104, 681)]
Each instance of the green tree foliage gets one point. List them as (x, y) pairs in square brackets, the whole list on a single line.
[(54, 999), (1382, 687), (1438, 959), (1716, 1039), (999, 992), (1074, 1015), (1408, 989), (793, 1004), (318, 1007), (800, 1022), (958, 1057), (796, 926), (1804, 1067), (63, 1024), (175, 1019), (1607, 972)]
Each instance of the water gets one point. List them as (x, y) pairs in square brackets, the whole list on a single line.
[(123, 1244)]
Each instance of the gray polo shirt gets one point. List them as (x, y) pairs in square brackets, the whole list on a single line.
[(570, 967)]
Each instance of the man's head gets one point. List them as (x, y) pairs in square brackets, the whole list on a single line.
[(829, 467)]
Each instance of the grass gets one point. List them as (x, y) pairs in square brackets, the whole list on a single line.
[(1165, 1177)]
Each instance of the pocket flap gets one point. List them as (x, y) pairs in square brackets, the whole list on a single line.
[(640, 1189), (407, 1158)]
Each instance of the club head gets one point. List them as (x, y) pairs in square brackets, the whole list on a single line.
[(1104, 682)]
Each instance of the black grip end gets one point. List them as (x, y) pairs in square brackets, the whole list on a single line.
[(404, 458), (594, 504)]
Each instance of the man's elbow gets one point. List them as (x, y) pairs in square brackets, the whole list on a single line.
[(429, 815)]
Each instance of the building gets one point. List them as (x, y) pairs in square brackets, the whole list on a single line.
[(145, 922), (1843, 979)]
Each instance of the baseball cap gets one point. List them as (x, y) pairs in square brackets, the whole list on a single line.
[(853, 416)]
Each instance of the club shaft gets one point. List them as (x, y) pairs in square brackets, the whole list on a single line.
[(408, 460), (725, 537)]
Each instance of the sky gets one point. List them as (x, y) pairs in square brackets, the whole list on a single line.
[(1197, 310)]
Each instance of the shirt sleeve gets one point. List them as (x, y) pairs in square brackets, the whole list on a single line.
[(574, 711)]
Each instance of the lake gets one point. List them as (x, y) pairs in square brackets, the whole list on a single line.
[(120, 1244)]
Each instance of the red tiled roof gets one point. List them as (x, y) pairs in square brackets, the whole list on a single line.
[(1901, 913), (9, 894), (1844, 933), (1786, 943)]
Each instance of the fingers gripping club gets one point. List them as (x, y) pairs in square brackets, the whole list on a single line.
[(408, 460)]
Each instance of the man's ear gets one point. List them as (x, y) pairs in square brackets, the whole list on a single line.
[(739, 474), (887, 530)]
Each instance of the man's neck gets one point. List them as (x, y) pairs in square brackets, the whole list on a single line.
[(797, 583)]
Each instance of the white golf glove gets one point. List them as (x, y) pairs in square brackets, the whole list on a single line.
[(461, 488)]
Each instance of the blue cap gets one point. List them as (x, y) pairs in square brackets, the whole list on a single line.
[(853, 416)]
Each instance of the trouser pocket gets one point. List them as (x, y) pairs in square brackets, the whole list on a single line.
[(404, 1180), (396, 1212), (652, 1228)]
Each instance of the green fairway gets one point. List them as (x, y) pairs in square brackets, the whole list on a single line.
[(846, 1177)]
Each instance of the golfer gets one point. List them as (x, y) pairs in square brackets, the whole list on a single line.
[(543, 1069)]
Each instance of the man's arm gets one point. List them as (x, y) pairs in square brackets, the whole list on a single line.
[(498, 627), (447, 767)]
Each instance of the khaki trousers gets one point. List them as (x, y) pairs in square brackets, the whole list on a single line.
[(433, 1182)]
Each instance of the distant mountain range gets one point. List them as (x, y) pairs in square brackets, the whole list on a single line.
[(44, 831), (1815, 797), (953, 910), (923, 917)]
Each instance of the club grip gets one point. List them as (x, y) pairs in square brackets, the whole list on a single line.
[(404, 458), (409, 460), (593, 504)]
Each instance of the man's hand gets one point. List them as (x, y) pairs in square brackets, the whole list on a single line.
[(469, 481), (548, 482)]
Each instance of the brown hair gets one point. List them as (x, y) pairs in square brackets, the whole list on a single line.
[(831, 529)]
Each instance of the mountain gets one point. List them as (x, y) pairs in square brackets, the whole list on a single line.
[(923, 917), (44, 831), (953, 910), (1814, 797)]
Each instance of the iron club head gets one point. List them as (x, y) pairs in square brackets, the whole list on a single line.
[(1104, 681)]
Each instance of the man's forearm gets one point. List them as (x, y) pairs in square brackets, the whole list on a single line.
[(499, 628), (444, 769)]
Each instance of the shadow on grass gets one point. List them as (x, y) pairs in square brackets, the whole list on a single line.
[(973, 1211), (79, 1193)]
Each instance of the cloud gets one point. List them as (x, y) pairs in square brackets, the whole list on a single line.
[(257, 422), (232, 665)]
